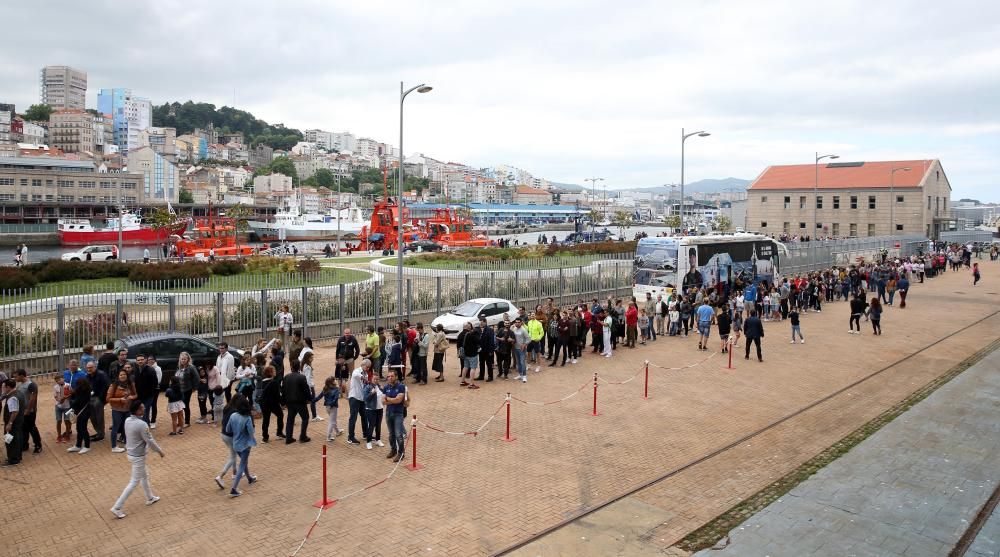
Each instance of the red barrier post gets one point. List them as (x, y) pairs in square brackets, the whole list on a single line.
[(413, 435), (507, 436), (594, 413), (645, 388), (324, 503), (729, 348)]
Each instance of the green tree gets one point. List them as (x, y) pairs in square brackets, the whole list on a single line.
[(723, 223), (623, 220), (325, 178), (284, 165), (161, 220), (673, 221), (595, 216), (38, 113), (240, 214), (184, 196)]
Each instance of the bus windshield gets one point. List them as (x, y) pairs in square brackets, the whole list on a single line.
[(659, 257)]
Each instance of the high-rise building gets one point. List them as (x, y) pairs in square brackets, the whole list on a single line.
[(63, 87), (74, 131), (129, 113)]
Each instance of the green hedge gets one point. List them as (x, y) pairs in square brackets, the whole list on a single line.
[(12, 278), (55, 270), (191, 274)]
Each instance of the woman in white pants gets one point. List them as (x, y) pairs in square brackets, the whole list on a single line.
[(608, 322), (138, 442)]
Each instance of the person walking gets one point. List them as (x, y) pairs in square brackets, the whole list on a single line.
[(138, 442), (470, 356), (146, 386), (394, 400), (903, 287), (80, 405), (505, 346), (975, 274), (28, 391), (99, 383), (725, 325), (347, 348), (307, 371), (241, 429), (297, 395), (355, 398), (61, 393), (187, 379), (706, 316), (874, 315), (12, 422), (753, 329), (227, 369), (537, 333), (120, 396), (793, 318), (858, 307)]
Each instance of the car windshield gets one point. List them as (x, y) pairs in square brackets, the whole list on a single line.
[(468, 309)]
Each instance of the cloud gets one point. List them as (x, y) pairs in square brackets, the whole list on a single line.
[(565, 89)]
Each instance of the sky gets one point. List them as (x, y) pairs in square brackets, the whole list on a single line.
[(564, 89)]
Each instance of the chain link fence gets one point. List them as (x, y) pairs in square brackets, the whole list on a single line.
[(804, 257)]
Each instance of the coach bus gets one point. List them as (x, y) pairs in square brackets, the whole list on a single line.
[(663, 265)]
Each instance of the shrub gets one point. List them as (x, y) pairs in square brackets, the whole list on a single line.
[(271, 265), (308, 265), (227, 267), (192, 274), (12, 278), (56, 270)]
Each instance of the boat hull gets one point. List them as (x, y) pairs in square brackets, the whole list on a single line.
[(135, 237), (268, 232)]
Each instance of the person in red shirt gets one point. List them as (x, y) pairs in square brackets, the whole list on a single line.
[(631, 322)]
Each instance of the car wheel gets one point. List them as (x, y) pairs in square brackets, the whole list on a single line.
[(75, 259), (109, 258)]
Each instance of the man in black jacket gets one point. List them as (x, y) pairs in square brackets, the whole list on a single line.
[(754, 331), (295, 393), (347, 348), (146, 385), (470, 355), (99, 384), (487, 346)]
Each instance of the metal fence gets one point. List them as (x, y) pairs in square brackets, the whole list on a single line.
[(41, 329), (804, 257), (8, 228), (966, 236), (511, 265)]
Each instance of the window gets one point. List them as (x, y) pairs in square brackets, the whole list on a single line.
[(802, 202), (50, 197), (836, 202), (819, 225), (65, 183), (88, 199), (48, 184), (36, 197), (763, 224), (871, 229), (36, 182), (928, 203), (854, 202), (763, 199), (6, 197), (854, 230), (937, 204), (105, 185), (899, 228), (6, 181), (819, 201), (88, 184), (871, 201), (788, 202), (24, 197), (24, 181), (802, 225), (131, 185), (836, 229), (65, 199), (899, 199)]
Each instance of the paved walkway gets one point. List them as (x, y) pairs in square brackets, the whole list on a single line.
[(910, 489), (478, 495)]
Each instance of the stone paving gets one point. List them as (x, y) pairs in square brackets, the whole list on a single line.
[(477, 494), (910, 489)]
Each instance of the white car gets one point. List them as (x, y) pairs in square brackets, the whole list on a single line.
[(494, 309), (91, 253)]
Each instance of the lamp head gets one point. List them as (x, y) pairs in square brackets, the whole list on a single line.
[(704, 134), (424, 89), (834, 156)]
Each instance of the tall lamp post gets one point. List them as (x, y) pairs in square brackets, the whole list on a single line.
[(812, 234), (422, 88), (593, 195), (684, 138), (339, 204), (892, 197)]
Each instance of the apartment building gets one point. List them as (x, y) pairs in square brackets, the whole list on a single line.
[(75, 130), (130, 115), (161, 179), (851, 199), (63, 87)]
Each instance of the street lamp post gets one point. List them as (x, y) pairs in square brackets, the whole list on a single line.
[(684, 138), (337, 252), (812, 234), (422, 88), (892, 197), (593, 195)]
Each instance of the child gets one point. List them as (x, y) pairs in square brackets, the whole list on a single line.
[(218, 403), (737, 328), (675, 320), (175, 406), (975, 274), (643, 326), (331, 400), (202, 393), (61, 392), (775, 306), (793, 318)]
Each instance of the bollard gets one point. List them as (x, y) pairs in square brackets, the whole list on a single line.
[(325, 502), (729, 349), (507, 436), (595, 396), (413, 450), (645, 388)]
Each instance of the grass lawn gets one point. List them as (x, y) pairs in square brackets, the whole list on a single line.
[(245, 281)]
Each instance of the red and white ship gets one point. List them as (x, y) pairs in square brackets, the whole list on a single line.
[(81, 232)]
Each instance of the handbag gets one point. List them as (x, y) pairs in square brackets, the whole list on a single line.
[(70, 415)]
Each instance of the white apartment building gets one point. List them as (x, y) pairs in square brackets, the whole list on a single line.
[(322, 139), (273, 184), (32, 134), (343, 142)]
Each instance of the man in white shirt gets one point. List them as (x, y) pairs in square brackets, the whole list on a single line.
[(284, 319), (227, 369), (138, 441), (356, 398)]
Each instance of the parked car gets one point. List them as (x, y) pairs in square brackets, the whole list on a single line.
[(494, 309), (91, 253), (423, 246), (168, 346)]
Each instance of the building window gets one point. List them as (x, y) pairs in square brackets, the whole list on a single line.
[(871, 201), (6, 181), (854, 230), (106, 185), (24, 181), (899, 228), (802, 225), (819, 201), (88, 199), (50, 197), (65, 199), (788, 202), (36, 182), (871, 229), (763, 199), (802, 202), (819, 225), (36, 197), (854, 202), (928, 203), (763, 223), (899, 199), (836, 202), (6, 197), (88, 184), (131, 185), (48, 184), (65, 183), (24, 197), (836, 229)]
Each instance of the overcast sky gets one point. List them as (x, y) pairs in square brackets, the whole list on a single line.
[(563, 89)]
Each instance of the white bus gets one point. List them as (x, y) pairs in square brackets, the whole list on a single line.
[(662, 265)]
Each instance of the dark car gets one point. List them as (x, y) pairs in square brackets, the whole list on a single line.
[(423, 245), (168, 346)]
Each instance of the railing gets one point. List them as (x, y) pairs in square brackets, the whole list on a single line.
[(548, 263), (41, 334), (804, 257), (27, 228)]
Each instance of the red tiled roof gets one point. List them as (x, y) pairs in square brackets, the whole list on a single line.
[(528, 190), (867, 176)]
